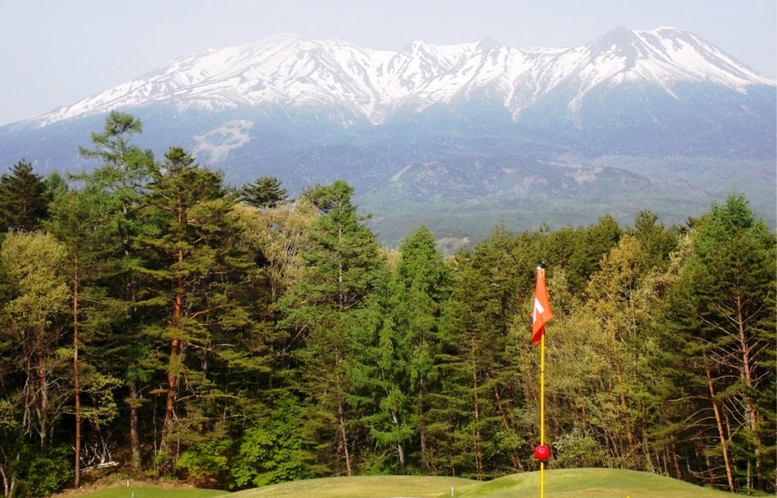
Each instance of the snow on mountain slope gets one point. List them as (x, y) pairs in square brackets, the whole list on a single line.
[(288, 70)]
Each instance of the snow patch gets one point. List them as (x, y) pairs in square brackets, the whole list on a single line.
[(217, 143)]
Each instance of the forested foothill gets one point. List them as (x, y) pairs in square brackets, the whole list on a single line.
[(159, 322)]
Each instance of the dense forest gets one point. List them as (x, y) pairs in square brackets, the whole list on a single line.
[(156, 321)]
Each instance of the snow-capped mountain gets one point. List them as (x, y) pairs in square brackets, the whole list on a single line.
[(291, 71), (457, 136)]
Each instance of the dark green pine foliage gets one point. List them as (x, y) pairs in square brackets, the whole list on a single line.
[(657, 242), (324, 310), (398, 367), (122, 175), (720, 321), (421, 287), (480, 396), (24, 199), (196, 314), (265, 192), (79, 219)]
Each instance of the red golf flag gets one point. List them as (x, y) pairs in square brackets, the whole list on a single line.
[(542, 312)]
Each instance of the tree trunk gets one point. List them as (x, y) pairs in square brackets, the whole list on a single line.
[(426, 459), (478, 450), (76, 380), (622, 394), (134, 430), (513, 458), (747, 374), (676, 458), (721, 434), (172, 394), (400, 448), (42, 404), (175, 350), (343, 434)]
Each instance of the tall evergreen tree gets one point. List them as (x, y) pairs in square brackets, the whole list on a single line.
[(265, 192), (24, 199), (195, 300), (395, 367), (122, 175), (721, 319), (79, 220), (421, 286), (322, 310), (481, 368)]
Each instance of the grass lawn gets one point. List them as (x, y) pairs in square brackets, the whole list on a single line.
[(154, 492), (567, 483)]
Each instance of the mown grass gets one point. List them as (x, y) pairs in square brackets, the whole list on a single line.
[(362, 487), (155, 492), (578, 483), (567, 483), (585, 483)]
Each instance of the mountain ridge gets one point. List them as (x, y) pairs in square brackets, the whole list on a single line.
[(456, 137), (290, 70)]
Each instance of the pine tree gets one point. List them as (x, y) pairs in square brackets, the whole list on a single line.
[(79, 221), (322, 310), (720, 318), (480, 366), (265, 192), (24, 199), (195, 300), (420, 288), (122, 175)]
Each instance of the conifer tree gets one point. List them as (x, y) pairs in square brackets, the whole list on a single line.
[(24, 199), (481, 367), (322, 310), (79, 220), (420, 287), (123, 174), (265, 192), (720, 321), (395, 366), (195, 301)]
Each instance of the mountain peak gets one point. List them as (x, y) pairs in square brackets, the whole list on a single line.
[(288, 69), (487, 44)]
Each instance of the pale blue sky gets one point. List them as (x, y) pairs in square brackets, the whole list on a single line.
[(55, 52)]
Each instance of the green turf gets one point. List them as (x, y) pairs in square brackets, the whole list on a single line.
[(155, 492), (584, 483), (567, 483), (358, 487)]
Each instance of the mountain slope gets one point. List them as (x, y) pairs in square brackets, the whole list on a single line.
[(459, 137), (288, 70)]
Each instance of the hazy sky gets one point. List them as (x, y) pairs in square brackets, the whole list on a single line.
[(56, 52)]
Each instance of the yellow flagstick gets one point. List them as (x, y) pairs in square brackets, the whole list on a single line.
[(542, 411), (541, 314)]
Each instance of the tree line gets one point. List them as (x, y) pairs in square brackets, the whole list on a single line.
[(155, 319)]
